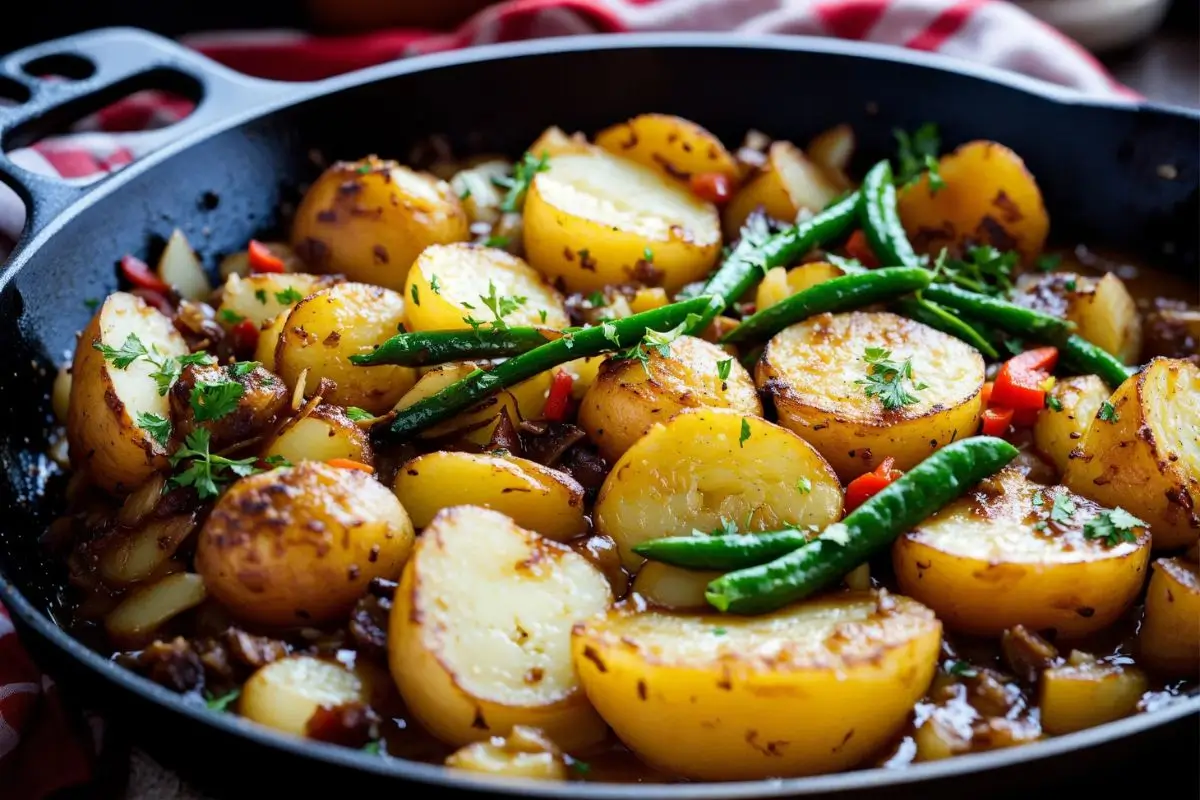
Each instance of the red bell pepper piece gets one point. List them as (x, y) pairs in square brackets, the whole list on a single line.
[(559, 397), (156, 299), (996, 421), (715, 187), (1019, 383), (244, 335), (140, 275), (986, 394), (857, 247), (262, 259), (869, 484)]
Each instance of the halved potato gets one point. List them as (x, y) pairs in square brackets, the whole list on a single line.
[(107, 399), (676, 147), (989, 197), (594, 219), (779, 283), (1146, 456), (1169, 639), (478, 192), (477, 423), (674, 588), (628, 398), (709, 465), (816, 687), (554, 141), (648, 298), (1059, 431), (323, 434), (1073, 698), (817, 373), (537, 498), (327, 327), (286, 693), (1003, 556), (523, 753), (260, 298), (832, 150), (479, 637), (466, 276), (298, 545), (370, 219), (1102, 309), (180, 268), (785, 186), (133, 623), (268, 341), (132, 556)]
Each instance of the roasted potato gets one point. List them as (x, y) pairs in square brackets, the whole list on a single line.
[(478, 192), (675, 147), (268, 340), (832, 150), (718, 697), (1058, 431), (258, 398), (1015, 553), (1101, 308), (323, 434), (1169, 639), (133, 623), (479, 634), (180, 268), (111, 393), (628, 398), (369, 220), (298, 545), (594, 219), (450, 283), (523, 753), (709, 465), (584, 372), (554, 141), (326, 328), (131, 556), (779, 283), (1144, 456), (537, 498), (260, 298), (1072, 698), (989, 198), (787, 185), (817, 373), (286, 693), (673, 588)]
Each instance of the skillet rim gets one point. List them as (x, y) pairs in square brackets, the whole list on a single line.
[(294, 94)]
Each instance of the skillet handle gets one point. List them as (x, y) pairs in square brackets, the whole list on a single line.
[(124, 60)]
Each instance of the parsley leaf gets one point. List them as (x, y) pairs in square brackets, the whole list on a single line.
[(648, 255), (1062, 509), (434, 286), (804, 486), (985, 270), (1113, 527), (723, 368), (416, 295), (158, 427), (961, 669), (596, 299), (243, 368), (719, 631), (222, 702), (165, 374), (523, 174), (231, 316), (1107, 412), (1049, 262), (206, 472), (261, 296), (1039, 500), (655, 341), (357, 414), (496, 241), (728, 528), (885, 379), (202, 358), (542, 315), (211, 401), (288, 296), (916, 152), (375, 747), (610, 333), (745, 432), (499, 305), (1053, 403), (92, 303), (121, 358)]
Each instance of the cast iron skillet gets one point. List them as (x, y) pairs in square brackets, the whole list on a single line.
[(245, 151)]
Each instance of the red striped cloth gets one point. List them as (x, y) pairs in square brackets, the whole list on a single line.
[(985, 31)]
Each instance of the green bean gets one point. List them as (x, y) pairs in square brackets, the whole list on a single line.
[(881, 221), (1001, 313), (423, 348), (727, 552)]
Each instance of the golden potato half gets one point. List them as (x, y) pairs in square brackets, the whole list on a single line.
[(627, 398), (708, 466), (676, 147), (988, 197), (1145, 456), (1014, 553), (817, 373), (370, 219), (785, 186), (324, 434), (324, 329), (108, 396), (285, 694), (449, 283), (480, 630), (594, 219), (816, 687), (537, 498), (1169, 639), (1058, 431), (298, 545), (261, 298)]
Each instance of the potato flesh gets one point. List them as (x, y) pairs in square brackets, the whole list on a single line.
[(181, 269), (480, 630), (1058, 432), (325, 434), (257, 297), (717, 697), (535, 497), (786, 186), (675, 147), (983, 567), (1102, 309), (627, 399), (698, 470), (524, 753), (285, 694), (780, 284), (1169, 638), (477, 422), (329, 326), (465, 274), (1075, 698), (1146, 459), (814, 370), (133, 622), (673, 588)]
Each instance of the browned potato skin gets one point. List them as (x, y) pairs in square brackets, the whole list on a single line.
[(360, 219), (263, 397), (1169, 639), (676, 147), (298, 545), (625, 401)]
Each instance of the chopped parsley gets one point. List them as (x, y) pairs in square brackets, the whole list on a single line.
[(465, 194), (288, 296), (654, 341), (582, 767), (496, 241), (222, 702), (500, 306), (745, 432), (610, 333), (158, 427), (719, 631), (885, 379), (261, 296), (1062, 509), (596, 299), (357, 414), (205, 472), (962, 669), (804, 486), (1038, 500), (231, 316), (723, 368), (243, 368), (434, 286), (542, 314), (1107, 412), (92, 303), (214, 400), (166, 368), (1049, 262), (648, 256), (985, 270), (917, 153), (1113, 527), (518, 185), (416, 295), (1053, 403), (728, 528), (1070, 285), (131, 350)]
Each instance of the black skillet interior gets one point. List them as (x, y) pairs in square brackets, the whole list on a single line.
[(1099, 167)]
